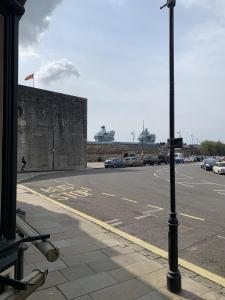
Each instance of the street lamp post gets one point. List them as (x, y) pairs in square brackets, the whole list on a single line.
[(173, 275)]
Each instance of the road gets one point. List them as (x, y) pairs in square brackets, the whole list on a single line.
[(136, 200)]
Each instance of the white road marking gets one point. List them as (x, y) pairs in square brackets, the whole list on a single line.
[(213, 183), (186, 176), (181, 183), (129, 200), (155, 206), (221, 237), (192, 217), (108, 194), (145, 216), (185, 184), (220, 193), (112, 221), (218, 190), (116, 224)]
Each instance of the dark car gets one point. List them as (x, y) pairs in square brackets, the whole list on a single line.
[(209, 163), (114, 163), (150, 160), (163, 159)]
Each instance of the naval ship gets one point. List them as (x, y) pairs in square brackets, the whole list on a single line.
[(146, 138), (103, 136)]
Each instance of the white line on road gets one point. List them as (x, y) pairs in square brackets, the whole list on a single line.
[(192, 217), (218, 190), (145, 216), (155, 206), (116, 224), (213, 183), (112, 221), (185, 184), (220, 193), (221, 237), (182, 183), (129, 200), (186, 176), (150, 211), (108, 194)]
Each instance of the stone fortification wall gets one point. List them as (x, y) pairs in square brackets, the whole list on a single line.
[(52, 130), (100, 152)]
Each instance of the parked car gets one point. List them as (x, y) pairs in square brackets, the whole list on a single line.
[(150, 160), (209, 163), (179, 159), (163, 158), (114, 163), (219, 168), (202, 164), (133, 162)]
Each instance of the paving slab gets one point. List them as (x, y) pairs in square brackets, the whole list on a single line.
[(129, 290), (79, 271), (86, 285), (47, 294)]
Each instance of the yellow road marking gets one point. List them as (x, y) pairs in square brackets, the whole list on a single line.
[(198, 270), (133, 201), (155, 206), (192, 217), (108, 194)]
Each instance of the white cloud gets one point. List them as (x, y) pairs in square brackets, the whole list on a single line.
[(55, 70), (27, 53), (36, 20)]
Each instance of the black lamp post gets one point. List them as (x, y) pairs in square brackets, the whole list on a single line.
[(173, 276)]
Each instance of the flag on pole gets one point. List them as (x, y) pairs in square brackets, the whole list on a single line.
[(29, 77)]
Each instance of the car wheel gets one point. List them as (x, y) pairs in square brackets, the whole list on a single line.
[(114, 166)]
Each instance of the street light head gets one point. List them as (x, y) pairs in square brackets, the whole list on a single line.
[(170, 3)]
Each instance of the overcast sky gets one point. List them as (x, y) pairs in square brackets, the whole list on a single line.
[(115, 54)]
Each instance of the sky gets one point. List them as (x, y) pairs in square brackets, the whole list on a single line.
[(115, 54)]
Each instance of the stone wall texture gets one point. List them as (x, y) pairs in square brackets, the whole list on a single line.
[(100, 152), (52, 130)]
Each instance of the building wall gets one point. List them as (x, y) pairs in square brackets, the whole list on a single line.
[(52, 130)]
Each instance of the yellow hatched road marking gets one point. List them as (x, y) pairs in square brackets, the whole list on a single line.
[(198, 270), (192, 217)]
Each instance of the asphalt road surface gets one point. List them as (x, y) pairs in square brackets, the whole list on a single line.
[(136, 200)]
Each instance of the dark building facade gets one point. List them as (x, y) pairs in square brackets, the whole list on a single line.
[(52, 130)]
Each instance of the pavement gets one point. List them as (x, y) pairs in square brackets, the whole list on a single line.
[(97, 264), (95, 165)]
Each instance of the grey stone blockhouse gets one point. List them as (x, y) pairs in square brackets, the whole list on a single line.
[(52, 130)]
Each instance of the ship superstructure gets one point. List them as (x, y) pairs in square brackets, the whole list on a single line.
[(104, 136)]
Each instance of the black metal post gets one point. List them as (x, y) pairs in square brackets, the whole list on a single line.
[(173, 275)]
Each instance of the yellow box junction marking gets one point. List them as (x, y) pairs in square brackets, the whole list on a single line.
[(192, 217), (198, 270)]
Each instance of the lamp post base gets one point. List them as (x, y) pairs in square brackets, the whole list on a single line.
[(174, 282)]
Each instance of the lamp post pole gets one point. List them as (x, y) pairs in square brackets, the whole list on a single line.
[(173, 275)]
